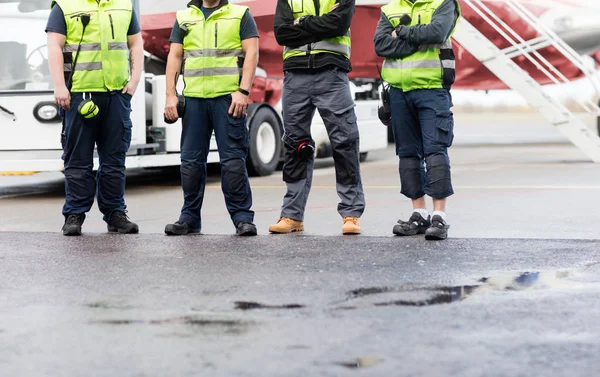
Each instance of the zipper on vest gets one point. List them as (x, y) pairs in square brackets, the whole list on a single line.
[(112, 27), (216, 33), (317, 7)]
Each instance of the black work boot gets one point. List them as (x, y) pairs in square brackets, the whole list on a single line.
[(119, 223), (438, 230), (415, 225), (246, 229), (73, 225), (179, 228)]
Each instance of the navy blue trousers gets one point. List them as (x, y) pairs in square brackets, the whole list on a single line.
[(202, 116), (423, 128), (110, 131)]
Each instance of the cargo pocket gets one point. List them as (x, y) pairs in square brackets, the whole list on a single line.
[(127, 131), (236, 129), (445, 127)]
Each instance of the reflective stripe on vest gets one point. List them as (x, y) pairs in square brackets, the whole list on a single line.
[(212, 52), (211, 49), (103, 58), (339, 45), (432, 66)]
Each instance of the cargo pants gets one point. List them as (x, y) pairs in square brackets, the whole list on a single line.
[(202, 116), (423, 128), (329, 92), (110, 130)]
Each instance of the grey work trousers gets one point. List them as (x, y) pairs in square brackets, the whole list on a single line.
[(329, 92)]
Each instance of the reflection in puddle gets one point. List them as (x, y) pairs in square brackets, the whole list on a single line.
[(361, 362), (248, 305), (449, 294)]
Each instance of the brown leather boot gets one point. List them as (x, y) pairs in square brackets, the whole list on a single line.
[(351, 225), (287, 225)]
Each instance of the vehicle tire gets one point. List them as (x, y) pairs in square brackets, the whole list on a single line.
[(363, 156), (265, 143)]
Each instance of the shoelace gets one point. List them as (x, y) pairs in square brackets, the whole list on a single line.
[(73, 219)]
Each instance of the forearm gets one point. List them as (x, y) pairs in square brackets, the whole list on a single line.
[(249, 69), (292, 36), (56, 63), (388, 46), (333, 24), (436, 32), (286, 33), (136, 60), (172, 73)]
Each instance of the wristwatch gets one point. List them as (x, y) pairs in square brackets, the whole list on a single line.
[(244, 92)]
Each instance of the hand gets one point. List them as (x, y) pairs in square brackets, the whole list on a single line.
[(171, 107), (239, 103), (130, 88), (334, 7), (394, 35), (62, 97)]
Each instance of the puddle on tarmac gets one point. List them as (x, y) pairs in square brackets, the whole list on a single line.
[(361, 362), (233, 325), (448, 294), (108, 305), (248, 305), (117, 322)]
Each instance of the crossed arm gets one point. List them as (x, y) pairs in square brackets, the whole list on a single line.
[(312, 28)]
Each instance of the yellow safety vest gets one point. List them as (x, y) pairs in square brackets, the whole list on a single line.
[(211, 50), (433, 66), (338, 45), (103, 62)]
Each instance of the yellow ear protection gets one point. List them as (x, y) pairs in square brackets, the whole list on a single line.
[(88, 109)]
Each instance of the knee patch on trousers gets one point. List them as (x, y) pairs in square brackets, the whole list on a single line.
[(234, 176), (411, 177), (295, 166), (439, 182), (346, 159)]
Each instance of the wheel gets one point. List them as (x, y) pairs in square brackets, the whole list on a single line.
[(363, 156), (265, 143)]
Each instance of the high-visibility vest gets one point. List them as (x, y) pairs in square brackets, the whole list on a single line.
[(433, 66), (103, 61), (211, 50), (338, 45)]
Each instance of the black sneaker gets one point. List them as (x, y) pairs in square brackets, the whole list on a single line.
[(246, 229), (415, 225), (438, 230), (179, 228), (73, 225), (119, 223)]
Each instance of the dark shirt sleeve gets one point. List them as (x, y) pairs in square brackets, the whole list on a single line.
[(389, 47), (134, 25), (332, 24), (437, 31), (56, 21), (286, 33), (248, 27), (176, 36)]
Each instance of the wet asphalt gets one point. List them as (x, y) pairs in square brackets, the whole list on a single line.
[(515, 291), (148, 305)]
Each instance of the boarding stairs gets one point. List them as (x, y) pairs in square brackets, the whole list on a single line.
[(500, 62)]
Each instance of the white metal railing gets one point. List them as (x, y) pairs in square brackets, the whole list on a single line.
[(529, 49)]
